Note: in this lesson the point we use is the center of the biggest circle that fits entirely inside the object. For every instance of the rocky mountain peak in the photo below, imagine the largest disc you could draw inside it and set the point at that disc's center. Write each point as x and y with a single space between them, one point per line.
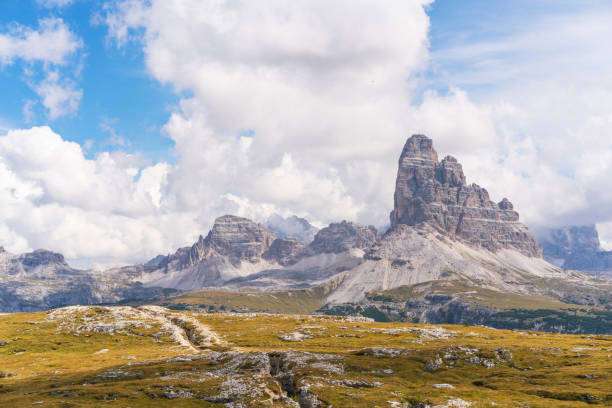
41 257
450 172
240 239
576 247
342 236
435 192
419 147
505 204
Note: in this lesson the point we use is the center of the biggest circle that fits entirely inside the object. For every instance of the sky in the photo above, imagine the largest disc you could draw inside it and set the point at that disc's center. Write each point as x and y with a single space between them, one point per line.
128 126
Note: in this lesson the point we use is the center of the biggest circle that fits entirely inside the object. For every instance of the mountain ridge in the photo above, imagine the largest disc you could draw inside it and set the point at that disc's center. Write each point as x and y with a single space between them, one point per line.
442 230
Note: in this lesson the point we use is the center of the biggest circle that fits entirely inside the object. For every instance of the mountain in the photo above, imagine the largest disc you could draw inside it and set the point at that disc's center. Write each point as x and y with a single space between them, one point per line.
456 256
43 279
576 247
236 253
234 247
442 228
435 192
451 255
239 252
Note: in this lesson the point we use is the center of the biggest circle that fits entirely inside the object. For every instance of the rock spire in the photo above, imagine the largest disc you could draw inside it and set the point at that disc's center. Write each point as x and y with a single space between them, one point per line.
435 192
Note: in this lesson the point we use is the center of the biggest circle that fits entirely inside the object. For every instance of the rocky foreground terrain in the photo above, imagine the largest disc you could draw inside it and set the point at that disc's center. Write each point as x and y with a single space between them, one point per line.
154 357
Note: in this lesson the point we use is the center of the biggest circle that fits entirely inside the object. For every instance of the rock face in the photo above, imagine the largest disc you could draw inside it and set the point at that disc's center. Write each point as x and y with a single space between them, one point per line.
285 251
43 279
407 255
240 252
435 192
576 247
37 262
235 238
342 236
239 239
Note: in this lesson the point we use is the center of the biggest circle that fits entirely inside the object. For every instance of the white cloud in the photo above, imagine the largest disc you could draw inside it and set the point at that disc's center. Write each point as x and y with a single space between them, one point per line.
59 96
54 3
47 51
96 210
114 139
28 110
293 110
550 74
327 102
52 42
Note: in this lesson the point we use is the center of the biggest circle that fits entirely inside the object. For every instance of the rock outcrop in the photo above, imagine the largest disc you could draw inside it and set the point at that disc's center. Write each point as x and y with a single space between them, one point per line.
240 239
285 251
435 192
43 279
408 255
443 229
234 238
39 262
342 236
240 252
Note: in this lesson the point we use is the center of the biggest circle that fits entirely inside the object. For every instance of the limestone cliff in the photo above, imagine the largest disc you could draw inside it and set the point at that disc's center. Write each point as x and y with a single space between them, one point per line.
241 252
435 192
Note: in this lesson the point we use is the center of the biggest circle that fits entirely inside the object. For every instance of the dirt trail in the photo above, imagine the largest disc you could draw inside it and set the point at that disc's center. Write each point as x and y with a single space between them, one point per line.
185 330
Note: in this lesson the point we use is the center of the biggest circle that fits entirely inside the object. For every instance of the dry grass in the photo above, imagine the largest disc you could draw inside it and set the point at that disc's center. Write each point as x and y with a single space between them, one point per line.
48 364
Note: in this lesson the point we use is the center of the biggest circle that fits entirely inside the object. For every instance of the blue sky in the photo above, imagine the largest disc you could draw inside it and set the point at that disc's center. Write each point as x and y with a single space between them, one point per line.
184 110
117 91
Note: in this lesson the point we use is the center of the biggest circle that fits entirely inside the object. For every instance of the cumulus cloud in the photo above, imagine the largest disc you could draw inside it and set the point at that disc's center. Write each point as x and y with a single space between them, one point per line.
326 103
302 108
103 209
545 87
59 96
45 50
51 42
294 111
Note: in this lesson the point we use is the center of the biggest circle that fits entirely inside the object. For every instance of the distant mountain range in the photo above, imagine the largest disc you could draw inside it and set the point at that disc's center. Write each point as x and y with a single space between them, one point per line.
450 255
42 280
576 247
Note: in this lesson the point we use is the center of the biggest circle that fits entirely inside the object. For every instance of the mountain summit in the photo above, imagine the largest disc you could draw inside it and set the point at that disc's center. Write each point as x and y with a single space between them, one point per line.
435 192
451 256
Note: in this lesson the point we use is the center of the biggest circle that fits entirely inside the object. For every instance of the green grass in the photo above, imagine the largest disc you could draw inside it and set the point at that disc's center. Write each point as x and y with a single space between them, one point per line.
50 364
469 293
304 301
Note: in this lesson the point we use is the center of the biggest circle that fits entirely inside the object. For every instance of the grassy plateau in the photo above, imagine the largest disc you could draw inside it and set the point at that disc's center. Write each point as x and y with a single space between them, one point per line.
155 357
